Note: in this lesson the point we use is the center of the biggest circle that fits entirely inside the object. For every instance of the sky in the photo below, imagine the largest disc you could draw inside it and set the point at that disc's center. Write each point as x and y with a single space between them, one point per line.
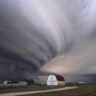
47 36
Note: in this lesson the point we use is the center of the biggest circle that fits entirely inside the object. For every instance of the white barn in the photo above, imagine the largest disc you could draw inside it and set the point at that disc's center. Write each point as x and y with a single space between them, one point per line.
52 80
55 80
44 79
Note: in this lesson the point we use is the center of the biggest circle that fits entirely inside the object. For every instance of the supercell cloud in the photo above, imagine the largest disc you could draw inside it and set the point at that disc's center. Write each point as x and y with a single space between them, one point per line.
32 32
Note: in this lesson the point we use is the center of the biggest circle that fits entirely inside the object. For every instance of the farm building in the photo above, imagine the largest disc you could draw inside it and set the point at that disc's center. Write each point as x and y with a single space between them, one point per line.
55 80
44 79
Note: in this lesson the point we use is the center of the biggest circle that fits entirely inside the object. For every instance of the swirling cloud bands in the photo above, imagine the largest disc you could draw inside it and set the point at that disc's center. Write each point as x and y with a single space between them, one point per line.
33 32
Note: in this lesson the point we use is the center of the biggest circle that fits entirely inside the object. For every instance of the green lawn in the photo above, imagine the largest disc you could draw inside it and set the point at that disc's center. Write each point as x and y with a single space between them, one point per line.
24 88
83 90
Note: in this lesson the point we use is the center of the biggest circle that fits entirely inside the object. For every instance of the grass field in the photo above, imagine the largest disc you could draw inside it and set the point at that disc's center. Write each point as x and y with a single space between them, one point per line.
24 88
83 90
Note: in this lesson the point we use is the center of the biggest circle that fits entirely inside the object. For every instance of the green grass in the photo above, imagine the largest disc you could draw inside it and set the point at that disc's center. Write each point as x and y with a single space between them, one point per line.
83 90
24 88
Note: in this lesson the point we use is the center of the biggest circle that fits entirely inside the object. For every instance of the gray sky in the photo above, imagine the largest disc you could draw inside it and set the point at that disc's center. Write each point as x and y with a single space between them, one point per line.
33 32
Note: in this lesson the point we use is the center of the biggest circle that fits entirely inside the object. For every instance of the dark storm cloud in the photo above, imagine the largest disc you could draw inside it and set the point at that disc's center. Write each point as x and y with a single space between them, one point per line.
23 47
13 65
34 32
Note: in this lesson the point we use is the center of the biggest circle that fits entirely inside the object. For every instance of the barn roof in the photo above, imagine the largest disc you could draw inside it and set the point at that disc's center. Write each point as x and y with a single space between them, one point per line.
60 78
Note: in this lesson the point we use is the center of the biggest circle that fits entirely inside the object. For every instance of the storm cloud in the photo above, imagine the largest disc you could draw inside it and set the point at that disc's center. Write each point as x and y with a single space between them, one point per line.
33 32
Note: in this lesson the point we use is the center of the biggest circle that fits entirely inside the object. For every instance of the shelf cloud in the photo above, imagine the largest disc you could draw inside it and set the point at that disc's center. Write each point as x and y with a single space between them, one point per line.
48 35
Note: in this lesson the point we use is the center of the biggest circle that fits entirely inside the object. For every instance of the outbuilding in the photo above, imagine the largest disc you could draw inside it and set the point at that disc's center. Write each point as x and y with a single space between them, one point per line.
52 80
49 79
55 80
